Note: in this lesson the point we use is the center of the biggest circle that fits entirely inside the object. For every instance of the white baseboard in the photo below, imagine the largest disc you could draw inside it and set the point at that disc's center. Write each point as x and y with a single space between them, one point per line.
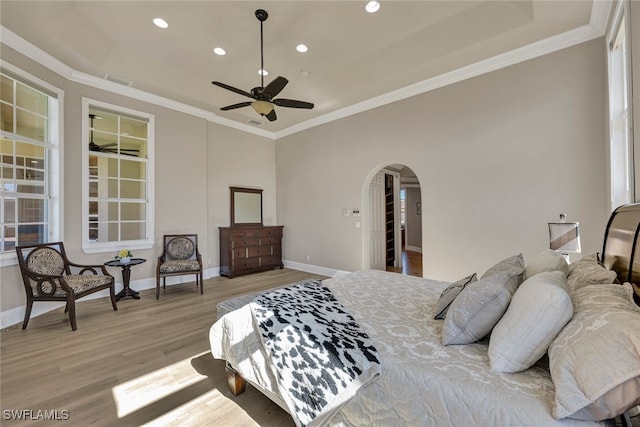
16 315
309 268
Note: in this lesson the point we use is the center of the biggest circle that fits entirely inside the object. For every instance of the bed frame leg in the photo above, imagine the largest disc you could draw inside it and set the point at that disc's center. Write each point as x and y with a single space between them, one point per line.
237 384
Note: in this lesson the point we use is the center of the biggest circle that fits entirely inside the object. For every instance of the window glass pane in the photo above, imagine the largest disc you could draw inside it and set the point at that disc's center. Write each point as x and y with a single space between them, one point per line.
105 140
9 210
31 125
133 211
132 189
133 231
133 147
105 122
133 127
112 168
113 188
30 189
6 117
113 229
93 189
28 234
9 238
31 210
6 89
113 211
32 100
132 169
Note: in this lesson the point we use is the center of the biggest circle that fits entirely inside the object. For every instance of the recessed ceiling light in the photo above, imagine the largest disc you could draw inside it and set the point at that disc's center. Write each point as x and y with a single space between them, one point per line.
302 48
263 72
372 7
161 23
304 73
219 51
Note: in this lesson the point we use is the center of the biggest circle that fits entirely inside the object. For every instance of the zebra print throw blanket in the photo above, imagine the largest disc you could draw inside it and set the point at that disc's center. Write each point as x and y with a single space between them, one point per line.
320 355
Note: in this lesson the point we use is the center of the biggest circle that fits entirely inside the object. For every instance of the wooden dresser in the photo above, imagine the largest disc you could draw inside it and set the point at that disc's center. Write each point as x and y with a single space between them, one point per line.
249 249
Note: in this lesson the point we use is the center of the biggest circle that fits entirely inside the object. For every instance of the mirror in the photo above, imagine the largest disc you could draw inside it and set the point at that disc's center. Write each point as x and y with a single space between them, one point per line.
246 206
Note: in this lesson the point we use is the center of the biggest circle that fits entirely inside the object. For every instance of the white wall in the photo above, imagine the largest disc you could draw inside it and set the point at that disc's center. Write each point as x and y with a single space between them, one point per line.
196 162
497 157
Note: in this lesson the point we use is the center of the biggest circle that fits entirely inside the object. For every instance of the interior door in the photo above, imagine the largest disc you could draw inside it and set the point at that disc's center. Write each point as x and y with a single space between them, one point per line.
377 222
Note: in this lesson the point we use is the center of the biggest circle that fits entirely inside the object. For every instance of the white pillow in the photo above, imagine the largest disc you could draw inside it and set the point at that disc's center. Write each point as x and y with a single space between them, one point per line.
546 260
594 361
538 311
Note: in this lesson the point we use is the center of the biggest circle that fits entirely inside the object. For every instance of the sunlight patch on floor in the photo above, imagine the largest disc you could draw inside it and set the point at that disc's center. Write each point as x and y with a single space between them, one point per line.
140 392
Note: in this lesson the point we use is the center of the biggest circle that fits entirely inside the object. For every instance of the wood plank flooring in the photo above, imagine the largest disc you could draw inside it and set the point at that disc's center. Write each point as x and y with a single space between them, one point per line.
146 364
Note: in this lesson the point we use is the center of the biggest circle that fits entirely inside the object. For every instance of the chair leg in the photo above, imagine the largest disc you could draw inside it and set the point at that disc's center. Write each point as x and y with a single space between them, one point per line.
71 305
164 283
27 313
157 287
112 294
201 284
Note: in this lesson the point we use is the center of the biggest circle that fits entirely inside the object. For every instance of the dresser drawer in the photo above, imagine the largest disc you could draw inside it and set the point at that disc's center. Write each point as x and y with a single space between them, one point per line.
244 232
258 251
244 242
270 232
245 264
271 261
239 253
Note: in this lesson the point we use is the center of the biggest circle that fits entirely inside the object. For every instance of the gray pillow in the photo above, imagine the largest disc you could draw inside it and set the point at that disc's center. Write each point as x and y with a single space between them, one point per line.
477 309
450 293
512 264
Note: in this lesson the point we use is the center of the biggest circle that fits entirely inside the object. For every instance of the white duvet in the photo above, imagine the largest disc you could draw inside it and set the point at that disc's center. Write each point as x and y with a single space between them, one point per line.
423 383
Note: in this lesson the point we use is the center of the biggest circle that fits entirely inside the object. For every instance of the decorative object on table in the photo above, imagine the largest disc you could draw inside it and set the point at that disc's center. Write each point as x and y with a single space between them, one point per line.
48 275
124 256
180 256
564 237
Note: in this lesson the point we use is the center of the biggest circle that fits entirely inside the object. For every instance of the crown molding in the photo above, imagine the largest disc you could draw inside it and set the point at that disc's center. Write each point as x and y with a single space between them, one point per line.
599 19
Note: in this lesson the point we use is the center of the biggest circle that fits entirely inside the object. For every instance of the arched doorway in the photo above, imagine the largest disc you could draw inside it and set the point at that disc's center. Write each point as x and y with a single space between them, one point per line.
392 220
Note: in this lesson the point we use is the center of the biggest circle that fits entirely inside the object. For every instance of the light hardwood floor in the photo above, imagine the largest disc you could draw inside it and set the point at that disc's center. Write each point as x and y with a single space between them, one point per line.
146 364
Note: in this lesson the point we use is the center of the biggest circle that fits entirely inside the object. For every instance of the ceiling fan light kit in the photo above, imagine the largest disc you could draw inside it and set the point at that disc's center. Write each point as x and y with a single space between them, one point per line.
264 101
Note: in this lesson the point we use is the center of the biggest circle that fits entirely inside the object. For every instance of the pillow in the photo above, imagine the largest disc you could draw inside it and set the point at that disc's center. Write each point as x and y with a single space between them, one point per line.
546 260
591 259
588 271
594 360
537 313
512 264
450 293
478 307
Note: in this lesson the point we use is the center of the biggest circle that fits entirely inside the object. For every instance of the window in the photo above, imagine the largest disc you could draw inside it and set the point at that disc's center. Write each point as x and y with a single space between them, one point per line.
117 207
29 162
620 149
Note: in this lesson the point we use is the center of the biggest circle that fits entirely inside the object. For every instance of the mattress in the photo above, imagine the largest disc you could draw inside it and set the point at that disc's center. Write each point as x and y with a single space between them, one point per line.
422 382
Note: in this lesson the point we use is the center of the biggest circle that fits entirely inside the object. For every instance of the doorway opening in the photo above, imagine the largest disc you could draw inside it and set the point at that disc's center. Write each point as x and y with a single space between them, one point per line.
393 237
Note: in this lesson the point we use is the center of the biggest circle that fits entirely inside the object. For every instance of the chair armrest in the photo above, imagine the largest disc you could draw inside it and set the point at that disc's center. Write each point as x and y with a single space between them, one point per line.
92 268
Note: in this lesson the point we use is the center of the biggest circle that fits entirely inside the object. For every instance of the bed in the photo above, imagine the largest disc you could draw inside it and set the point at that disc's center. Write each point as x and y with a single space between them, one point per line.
561 350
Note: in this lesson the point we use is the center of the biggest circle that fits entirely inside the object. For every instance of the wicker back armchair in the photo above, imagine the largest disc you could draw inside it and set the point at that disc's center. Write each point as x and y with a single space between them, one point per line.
48 275
180 256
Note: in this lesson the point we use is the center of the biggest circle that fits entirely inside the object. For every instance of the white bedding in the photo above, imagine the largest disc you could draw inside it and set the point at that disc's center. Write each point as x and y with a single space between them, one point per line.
423 383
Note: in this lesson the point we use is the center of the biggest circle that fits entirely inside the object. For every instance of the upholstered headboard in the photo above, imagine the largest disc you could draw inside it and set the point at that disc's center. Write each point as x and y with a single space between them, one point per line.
620 247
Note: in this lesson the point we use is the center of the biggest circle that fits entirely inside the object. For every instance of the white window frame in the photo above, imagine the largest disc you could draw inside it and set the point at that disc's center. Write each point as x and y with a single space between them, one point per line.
621 155
55 158
99 247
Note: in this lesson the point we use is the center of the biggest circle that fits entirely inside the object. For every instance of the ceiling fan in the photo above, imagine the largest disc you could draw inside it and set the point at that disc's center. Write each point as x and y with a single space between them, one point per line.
109 148
263 96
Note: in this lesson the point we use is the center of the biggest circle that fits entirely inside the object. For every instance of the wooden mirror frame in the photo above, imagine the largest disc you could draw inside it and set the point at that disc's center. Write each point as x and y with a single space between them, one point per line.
236 218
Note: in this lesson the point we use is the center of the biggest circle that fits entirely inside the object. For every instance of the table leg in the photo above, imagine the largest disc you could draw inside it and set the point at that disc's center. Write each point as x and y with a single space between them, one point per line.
126 290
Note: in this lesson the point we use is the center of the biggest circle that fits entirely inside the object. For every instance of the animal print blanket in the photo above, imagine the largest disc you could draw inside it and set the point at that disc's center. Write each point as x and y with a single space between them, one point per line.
319 353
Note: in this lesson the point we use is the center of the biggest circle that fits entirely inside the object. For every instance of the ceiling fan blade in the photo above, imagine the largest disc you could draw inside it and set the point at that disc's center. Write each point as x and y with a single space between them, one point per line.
233 89
133 150
271 116
234 106
275 87
292 103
